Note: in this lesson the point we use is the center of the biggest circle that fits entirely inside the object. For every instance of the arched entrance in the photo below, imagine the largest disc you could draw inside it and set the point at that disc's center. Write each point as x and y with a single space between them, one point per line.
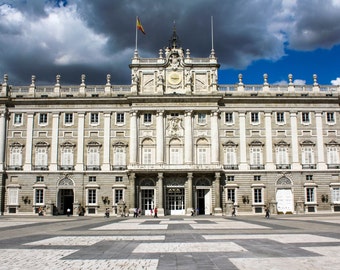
65 195
284 195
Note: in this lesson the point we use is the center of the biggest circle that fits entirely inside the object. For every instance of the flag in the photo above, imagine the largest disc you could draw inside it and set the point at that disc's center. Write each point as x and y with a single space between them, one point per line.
140 26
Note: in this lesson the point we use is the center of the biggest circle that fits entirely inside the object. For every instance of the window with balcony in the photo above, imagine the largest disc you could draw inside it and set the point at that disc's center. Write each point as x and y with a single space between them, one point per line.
119 156
281 150
176 152
256 158
41 156
66 159
93 156
15 159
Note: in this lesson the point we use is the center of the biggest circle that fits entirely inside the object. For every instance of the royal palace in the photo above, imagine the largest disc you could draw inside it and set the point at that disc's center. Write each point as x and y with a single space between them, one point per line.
174 139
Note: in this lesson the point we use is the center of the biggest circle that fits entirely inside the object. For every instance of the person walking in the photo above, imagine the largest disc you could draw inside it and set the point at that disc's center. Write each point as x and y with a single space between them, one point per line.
156 212
267 212
68 211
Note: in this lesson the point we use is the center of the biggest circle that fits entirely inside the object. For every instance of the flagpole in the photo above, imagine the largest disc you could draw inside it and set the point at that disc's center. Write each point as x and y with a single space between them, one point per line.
212 55
136 32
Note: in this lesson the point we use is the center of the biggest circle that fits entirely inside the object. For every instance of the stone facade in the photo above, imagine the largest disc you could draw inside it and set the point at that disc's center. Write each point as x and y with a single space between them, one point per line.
174 139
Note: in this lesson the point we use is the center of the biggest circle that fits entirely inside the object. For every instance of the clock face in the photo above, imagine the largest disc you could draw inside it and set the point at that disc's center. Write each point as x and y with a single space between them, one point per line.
174 78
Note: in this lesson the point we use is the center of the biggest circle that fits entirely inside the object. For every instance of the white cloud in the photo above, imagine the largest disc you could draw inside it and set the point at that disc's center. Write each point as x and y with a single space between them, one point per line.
336 81
299 82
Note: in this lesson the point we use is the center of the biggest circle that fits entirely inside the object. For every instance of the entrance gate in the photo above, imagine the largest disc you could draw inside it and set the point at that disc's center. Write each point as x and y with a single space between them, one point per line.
175 201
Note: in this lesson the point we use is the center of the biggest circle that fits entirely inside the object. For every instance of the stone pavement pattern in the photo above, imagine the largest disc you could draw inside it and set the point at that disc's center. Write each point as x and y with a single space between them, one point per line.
245 242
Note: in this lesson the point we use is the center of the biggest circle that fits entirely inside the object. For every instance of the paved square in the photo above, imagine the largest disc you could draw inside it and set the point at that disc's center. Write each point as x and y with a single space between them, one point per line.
243 242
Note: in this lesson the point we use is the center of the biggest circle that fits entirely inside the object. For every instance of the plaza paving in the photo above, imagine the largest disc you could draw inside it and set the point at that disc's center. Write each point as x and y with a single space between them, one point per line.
202 242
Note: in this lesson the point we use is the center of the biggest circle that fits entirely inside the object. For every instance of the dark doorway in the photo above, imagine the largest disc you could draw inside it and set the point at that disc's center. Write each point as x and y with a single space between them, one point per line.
66 199
201 201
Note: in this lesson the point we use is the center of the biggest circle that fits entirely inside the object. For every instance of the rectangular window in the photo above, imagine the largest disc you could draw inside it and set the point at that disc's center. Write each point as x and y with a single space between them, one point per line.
118 195
229 117
230 158
332 155
310 196
307 155
336 195
119 178
256 156
280 117
257 195
147 156
17 119
175 156
92 196
94 118
43 118
330 117
231 194
202 156
255 117
39 196
120 118
201 118
68 118
257 177
305 117
40 179
309 177
147 118
92 179
230 178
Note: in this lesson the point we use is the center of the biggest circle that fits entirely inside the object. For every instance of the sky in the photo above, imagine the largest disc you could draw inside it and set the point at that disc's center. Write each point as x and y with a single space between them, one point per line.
98 37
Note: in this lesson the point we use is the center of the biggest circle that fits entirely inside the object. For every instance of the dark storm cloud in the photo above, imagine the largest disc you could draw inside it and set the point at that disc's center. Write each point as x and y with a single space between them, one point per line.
46 38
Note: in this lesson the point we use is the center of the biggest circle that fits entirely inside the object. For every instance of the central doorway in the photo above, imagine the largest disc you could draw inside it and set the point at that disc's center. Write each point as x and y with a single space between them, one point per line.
66 200
147 201
175 201
203 202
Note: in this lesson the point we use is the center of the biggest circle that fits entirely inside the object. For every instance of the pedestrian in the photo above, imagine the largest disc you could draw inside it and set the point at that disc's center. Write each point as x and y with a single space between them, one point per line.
139 212
68 212
107 212
267 212
156 212
234 212
135 213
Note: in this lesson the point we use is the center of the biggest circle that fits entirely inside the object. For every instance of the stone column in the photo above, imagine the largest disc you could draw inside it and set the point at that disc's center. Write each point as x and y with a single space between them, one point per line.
54 143
131 204
107 139
243 143
159 202
214 138
319 141
2 138
29 137
190 194
269 142
295 146
160 137
188 137
80 144
217 209
133 137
